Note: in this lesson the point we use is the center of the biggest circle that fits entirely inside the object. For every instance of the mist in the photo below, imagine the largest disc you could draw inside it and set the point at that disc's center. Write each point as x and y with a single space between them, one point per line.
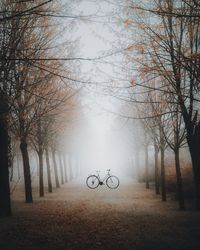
99 124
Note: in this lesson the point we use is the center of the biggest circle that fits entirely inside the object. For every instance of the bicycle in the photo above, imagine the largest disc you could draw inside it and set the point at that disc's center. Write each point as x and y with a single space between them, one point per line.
93 181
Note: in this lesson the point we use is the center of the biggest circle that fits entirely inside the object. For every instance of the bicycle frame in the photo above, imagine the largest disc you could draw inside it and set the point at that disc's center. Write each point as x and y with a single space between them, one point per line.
105 177
93 181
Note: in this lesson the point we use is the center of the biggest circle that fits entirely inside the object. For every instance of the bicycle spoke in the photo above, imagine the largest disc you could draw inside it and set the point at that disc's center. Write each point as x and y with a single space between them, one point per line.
92 181
112 182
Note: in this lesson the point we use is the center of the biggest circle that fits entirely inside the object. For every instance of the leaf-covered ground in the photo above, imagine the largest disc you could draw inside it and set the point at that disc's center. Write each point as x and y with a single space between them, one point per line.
75 217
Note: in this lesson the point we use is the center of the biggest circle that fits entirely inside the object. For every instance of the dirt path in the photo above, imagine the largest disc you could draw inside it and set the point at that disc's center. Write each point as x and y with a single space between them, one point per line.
75 217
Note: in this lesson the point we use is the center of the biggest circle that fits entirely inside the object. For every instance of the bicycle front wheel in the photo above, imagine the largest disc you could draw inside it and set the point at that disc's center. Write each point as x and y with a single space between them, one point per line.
112 182
92 181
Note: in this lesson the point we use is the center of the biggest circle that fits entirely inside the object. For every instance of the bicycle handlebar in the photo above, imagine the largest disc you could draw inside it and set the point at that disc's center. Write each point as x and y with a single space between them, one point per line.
100 171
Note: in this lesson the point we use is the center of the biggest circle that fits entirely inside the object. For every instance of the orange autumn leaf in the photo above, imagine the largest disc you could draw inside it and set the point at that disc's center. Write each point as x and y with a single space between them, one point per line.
126 22
133 81
130 47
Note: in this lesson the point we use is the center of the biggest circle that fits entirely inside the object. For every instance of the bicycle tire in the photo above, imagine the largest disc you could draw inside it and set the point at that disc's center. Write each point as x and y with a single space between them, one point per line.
112 182
92 181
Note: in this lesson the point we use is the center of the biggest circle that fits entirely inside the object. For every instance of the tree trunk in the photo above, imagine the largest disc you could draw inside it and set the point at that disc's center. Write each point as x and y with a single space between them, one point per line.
163 187
146 166
27 172
179 180
61 169
5 206
65 167
157 189
137 163
41 177
38 167
193 140
55 169
11 171
71 168
76 168
131 167
194 147
48 171
18 168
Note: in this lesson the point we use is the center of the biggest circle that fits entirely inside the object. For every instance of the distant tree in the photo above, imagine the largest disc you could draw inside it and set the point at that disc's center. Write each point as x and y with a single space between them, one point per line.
167 46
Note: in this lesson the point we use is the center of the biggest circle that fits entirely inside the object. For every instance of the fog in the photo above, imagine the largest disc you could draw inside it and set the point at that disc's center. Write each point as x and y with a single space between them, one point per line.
102 139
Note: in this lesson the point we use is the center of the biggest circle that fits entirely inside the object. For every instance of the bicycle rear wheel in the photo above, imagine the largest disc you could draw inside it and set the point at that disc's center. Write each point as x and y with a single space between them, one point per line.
92 181
112 182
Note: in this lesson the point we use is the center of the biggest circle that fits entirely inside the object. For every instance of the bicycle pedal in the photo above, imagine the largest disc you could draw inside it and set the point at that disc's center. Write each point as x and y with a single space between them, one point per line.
100 183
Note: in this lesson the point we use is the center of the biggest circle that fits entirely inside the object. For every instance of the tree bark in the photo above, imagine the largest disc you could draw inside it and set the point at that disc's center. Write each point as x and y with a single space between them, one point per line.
146 167
179 180
194 147
193 140
41 177
61 169
18 167
5 204
11 172
55 169
163 186
196 163
162 161
27 173
38 165
48 171
157 184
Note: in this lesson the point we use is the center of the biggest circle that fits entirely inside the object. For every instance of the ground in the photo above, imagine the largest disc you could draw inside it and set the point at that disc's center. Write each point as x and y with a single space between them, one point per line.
75 217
